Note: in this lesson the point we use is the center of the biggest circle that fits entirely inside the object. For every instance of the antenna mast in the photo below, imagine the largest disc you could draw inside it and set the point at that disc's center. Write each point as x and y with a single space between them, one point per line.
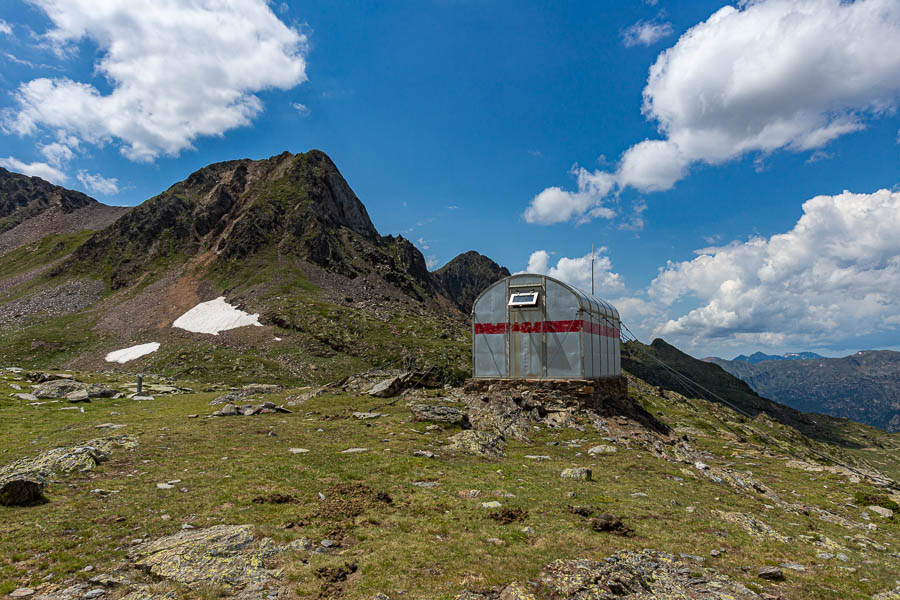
592 268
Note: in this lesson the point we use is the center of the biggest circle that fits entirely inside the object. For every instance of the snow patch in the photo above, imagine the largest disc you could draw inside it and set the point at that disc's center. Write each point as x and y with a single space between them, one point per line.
215 316
126 354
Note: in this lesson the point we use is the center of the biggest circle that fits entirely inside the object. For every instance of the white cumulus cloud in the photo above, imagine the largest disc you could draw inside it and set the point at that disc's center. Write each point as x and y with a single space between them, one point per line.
834 276
770 75
5 28
555 205
57 153
34 169
98 184
646 33
177 70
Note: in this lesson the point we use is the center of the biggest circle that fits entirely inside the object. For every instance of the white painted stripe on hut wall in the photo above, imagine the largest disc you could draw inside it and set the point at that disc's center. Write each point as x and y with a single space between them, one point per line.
215 316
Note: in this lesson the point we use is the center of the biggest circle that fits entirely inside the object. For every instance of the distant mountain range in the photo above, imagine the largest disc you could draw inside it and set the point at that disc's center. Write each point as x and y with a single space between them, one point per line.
864 386
758 357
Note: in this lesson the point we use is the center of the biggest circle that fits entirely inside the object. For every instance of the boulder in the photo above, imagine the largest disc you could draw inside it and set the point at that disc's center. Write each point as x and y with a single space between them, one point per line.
261 388
386 388
426 379
602 449
881 511
78 396
478 443
98 390
770 573
438 414
226 556
234 397
21 479
21 489
58 389
582 473
67 388
516 591
637 574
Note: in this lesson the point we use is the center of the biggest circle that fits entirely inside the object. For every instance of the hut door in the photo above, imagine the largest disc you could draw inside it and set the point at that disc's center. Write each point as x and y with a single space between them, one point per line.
526 336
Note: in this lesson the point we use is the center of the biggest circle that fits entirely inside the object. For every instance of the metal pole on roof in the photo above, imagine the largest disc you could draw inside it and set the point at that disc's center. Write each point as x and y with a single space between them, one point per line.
592 269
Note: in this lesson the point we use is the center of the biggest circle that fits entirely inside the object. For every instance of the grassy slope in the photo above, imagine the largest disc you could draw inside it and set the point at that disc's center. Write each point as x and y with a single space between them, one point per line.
430 542
323 340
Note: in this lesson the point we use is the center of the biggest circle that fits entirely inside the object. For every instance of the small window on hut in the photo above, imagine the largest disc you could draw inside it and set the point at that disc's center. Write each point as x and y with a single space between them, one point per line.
523 299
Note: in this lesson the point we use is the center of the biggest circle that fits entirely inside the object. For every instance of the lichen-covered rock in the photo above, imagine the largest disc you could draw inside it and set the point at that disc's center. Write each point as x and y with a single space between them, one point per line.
438 414
74 592
893 594
62 388
58 388
640 575
224 555
479 443
516 591
582 473
147 593
70 459
752 525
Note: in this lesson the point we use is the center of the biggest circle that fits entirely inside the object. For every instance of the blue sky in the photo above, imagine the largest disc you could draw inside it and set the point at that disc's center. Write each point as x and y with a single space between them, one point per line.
700 131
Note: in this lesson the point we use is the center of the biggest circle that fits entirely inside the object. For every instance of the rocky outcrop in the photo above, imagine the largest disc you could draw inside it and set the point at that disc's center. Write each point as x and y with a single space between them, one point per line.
23 481
462 279
295 206
626 574
438 414
478 443
225 555
63 388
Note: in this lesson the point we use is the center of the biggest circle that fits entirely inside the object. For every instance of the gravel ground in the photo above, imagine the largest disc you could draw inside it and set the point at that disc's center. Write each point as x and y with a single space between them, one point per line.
65 299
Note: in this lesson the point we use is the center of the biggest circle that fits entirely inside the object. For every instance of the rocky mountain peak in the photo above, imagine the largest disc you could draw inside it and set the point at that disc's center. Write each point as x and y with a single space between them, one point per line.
297 204
466 276
22 197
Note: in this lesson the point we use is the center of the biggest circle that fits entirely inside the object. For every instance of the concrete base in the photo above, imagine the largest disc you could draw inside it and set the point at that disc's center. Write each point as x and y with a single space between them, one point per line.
595 394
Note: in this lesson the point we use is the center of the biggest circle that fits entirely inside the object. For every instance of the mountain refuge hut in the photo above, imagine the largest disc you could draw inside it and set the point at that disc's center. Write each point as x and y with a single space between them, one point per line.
536 329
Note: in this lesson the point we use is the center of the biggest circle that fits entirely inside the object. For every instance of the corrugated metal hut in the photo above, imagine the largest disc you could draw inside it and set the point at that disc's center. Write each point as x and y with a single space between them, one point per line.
534 326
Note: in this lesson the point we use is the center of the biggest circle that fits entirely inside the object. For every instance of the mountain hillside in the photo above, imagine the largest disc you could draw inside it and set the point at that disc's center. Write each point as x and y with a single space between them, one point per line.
466 276
31 208
285 238
864 386
297 207
718 385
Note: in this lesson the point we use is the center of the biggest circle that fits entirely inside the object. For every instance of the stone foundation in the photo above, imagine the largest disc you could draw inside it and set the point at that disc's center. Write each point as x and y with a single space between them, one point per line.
558 393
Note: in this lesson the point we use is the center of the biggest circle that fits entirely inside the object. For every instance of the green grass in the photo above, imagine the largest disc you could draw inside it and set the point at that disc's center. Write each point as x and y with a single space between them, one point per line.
62 338
428 542
50 248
